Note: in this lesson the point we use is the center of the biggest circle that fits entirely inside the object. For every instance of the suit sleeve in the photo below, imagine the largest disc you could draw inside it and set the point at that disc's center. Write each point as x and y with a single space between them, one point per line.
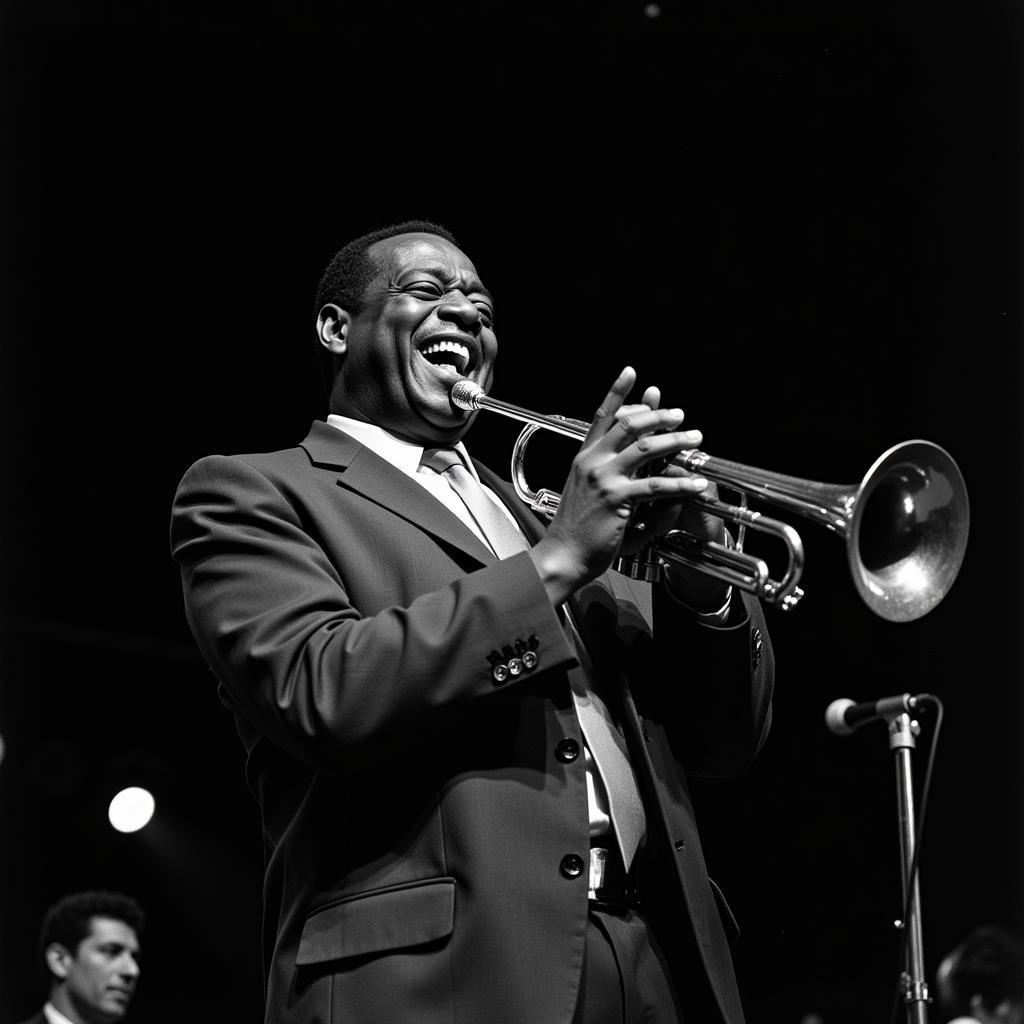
273 618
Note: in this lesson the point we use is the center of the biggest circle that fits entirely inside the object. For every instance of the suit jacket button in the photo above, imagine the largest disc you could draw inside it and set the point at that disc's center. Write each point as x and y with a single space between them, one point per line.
500 673
567 750
515 667
572 865
529 660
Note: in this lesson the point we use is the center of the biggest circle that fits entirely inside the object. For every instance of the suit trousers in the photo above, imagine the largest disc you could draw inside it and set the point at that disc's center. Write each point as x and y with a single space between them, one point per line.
625 977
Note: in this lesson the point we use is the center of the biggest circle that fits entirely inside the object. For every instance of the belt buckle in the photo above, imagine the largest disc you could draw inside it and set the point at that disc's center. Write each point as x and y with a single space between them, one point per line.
598 870
606 891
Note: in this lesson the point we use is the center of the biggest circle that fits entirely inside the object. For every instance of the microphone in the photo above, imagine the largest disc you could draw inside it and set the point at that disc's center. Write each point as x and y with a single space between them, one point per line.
842 716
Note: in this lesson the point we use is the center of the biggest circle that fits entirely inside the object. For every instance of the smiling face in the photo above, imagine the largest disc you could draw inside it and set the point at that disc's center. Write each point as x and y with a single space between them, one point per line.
97 980
427 322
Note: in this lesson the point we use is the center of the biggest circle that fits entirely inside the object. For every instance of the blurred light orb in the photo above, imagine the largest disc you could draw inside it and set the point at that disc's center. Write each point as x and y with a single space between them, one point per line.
652 11
131 809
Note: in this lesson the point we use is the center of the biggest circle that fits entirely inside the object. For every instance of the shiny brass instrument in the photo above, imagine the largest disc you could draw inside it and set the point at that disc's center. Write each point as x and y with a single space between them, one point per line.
905 524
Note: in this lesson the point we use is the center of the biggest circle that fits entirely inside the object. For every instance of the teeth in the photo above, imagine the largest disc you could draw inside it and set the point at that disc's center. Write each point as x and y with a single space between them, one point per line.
446 346
461 352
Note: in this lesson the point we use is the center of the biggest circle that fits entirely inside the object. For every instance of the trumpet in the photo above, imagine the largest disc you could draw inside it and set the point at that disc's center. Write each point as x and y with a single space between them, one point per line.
905 524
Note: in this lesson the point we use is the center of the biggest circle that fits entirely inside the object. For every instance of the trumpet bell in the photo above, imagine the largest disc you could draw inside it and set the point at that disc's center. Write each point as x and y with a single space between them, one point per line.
908 532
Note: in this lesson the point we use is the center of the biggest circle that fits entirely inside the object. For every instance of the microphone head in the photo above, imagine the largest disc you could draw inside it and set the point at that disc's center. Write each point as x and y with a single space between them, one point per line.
835 716
465 394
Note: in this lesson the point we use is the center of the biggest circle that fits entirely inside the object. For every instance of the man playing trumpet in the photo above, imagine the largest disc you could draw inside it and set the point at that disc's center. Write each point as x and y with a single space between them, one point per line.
467 737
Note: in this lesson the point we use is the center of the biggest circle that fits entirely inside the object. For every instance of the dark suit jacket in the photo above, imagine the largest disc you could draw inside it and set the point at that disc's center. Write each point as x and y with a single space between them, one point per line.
416 816
39 1018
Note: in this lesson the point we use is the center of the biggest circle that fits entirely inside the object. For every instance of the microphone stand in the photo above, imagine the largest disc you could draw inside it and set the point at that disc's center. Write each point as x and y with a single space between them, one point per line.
902 733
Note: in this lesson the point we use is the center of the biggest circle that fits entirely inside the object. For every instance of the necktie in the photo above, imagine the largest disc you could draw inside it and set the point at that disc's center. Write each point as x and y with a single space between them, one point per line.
606 744
504 539
608 748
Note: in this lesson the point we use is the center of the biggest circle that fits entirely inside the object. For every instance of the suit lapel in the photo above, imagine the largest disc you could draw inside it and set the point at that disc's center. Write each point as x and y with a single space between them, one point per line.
366 473
594 605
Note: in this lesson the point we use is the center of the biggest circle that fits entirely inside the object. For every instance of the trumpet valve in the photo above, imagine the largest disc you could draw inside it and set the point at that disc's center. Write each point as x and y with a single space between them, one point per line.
644 565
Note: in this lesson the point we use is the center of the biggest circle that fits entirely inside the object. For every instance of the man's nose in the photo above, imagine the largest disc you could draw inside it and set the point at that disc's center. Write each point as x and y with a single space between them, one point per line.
129 967
456 308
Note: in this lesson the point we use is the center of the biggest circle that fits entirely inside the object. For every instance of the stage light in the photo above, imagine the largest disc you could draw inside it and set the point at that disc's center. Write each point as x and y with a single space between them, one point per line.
131 809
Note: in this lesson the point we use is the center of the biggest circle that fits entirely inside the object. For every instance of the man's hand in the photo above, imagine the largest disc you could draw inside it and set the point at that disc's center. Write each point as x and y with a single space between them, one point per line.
697 590
603 489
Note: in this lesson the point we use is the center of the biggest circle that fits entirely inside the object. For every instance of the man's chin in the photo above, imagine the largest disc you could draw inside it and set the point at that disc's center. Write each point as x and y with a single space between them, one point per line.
438 429
116 1006
436 419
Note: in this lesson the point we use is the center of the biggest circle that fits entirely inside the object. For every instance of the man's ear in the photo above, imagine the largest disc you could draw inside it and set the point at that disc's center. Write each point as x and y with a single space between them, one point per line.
332 326
57 959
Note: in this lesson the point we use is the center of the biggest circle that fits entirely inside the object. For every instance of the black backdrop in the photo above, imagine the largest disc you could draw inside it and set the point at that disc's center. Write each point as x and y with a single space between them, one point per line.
801 219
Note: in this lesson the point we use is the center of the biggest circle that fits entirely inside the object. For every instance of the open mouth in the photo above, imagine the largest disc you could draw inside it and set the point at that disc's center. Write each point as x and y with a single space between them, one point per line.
449 354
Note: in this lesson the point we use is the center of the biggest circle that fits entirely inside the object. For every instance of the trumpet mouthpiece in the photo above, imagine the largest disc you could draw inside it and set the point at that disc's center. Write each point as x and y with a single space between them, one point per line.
466 395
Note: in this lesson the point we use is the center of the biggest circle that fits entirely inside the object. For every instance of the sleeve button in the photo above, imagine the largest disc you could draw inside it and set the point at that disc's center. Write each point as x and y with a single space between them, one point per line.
572 865
500 673
567 750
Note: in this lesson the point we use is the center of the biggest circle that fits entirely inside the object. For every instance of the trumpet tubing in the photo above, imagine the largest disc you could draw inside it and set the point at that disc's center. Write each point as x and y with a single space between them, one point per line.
905 524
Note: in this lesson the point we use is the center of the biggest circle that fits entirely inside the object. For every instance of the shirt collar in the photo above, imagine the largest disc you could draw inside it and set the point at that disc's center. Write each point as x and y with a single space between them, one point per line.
54 1016
401 454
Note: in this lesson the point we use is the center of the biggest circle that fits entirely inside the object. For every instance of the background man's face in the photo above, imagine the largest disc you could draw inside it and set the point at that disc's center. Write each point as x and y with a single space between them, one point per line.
103 972
427 322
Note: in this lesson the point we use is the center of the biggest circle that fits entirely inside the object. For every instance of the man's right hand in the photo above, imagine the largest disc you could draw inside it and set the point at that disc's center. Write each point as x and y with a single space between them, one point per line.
602 490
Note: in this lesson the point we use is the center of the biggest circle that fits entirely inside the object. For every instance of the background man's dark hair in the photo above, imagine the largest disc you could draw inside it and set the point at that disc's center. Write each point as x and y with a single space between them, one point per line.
350 272
68 920
988 963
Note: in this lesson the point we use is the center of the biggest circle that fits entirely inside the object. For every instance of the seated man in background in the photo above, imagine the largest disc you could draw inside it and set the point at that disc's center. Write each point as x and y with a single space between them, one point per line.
89 947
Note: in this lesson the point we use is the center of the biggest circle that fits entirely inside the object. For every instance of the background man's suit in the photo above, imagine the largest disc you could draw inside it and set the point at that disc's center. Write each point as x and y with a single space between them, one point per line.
422 819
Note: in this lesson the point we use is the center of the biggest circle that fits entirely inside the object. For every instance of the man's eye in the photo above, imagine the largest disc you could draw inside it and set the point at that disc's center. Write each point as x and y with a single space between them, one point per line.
428 288
486 313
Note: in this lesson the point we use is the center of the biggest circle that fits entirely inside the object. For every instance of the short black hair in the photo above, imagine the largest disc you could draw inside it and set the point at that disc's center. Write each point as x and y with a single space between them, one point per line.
68 921
989 963
350 271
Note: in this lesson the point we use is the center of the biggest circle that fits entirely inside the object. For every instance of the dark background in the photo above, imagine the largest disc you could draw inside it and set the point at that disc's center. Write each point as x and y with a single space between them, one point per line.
800 219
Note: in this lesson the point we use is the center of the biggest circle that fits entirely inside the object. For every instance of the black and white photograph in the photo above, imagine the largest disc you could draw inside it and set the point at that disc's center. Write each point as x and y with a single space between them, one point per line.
509 512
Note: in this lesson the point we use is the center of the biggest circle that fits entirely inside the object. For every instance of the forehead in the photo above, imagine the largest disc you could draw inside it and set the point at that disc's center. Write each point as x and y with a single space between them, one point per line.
103 930
420 251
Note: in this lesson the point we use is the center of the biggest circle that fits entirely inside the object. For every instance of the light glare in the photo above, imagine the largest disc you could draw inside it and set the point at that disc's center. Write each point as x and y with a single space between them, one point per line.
131 809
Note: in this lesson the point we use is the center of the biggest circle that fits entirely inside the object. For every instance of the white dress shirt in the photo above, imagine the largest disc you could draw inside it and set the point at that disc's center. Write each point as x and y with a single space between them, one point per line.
54 1016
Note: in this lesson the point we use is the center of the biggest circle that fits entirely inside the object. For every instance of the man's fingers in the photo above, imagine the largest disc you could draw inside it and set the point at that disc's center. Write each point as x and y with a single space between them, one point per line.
613 401
631 410
635 421
656 452
652 397
640 443
656 488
